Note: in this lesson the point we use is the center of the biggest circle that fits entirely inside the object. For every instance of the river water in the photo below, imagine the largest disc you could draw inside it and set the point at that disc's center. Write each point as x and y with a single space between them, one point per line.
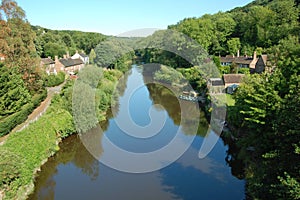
74 173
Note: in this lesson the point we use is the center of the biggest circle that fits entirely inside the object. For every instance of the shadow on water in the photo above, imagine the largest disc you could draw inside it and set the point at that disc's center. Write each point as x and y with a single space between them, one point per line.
72 152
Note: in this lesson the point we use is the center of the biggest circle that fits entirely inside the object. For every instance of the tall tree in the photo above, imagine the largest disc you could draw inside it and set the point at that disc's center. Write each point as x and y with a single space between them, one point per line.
268 107
13 93
92 56
234 45
17 43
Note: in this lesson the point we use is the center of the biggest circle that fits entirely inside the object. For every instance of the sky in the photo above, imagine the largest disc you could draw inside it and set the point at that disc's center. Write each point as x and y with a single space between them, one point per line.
114 17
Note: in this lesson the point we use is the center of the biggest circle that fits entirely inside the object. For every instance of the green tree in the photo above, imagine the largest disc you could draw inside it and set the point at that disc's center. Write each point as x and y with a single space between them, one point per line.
286 19
267 109
54 49
233 45
13 93
109 51
17 43
66 38
92 56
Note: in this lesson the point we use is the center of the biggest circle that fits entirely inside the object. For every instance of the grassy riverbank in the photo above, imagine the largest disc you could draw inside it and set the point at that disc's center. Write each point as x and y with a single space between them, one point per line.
24 152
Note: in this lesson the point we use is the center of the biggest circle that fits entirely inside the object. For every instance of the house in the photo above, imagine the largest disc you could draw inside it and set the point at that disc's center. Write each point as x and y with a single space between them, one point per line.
215 85
68 65
215 82
49 65
232 81
255 64
85 59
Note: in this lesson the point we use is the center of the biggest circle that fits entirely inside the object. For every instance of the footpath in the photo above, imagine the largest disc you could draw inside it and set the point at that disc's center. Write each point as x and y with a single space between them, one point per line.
37 113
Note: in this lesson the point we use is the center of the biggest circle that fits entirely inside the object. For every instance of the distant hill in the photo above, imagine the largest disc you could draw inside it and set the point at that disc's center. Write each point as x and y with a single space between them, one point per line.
57 42
258 25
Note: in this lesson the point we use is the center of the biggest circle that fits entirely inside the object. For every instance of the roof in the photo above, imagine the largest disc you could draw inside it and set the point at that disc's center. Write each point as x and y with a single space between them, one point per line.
265 58
227 59
47 61
69 62
216 81
243 60
83 55
233 78
238 60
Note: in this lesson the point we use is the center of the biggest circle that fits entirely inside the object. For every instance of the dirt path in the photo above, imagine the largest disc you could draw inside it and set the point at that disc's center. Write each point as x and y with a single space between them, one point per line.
37 113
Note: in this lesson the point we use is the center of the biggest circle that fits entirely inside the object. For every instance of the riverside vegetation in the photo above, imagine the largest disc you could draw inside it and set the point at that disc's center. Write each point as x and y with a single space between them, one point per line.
24 152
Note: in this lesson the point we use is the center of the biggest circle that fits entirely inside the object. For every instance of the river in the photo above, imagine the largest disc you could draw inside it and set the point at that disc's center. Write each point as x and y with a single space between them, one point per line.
73 173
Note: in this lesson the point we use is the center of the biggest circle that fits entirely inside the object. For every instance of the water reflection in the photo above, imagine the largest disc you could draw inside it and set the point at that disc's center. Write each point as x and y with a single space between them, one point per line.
73 173
72 152
161 95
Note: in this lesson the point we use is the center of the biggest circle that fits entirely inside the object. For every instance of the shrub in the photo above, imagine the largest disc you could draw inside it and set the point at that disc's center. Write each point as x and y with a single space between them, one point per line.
38 98
9 167
8 123
54 80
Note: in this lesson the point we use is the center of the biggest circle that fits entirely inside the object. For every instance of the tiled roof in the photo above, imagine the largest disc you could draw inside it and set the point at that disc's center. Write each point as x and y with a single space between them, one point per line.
237 60
226 59
233 78
69 62
216 81
47 61
243 60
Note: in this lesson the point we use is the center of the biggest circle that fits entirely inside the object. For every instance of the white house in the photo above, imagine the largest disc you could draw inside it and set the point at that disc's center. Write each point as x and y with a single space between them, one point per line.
85 59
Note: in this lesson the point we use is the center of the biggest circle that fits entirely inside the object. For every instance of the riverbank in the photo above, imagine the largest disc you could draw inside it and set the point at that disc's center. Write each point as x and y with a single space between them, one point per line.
24 152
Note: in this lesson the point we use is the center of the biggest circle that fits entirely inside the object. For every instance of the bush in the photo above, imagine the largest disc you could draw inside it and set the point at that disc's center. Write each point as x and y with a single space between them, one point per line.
38 98
54 80
244 71
9 167
10 122
24 151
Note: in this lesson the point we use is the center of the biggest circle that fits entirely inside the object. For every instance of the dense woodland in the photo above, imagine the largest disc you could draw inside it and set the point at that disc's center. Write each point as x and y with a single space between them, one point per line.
56 43
265 116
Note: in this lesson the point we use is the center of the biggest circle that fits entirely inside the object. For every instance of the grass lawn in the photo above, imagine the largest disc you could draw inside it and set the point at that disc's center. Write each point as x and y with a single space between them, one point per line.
221 99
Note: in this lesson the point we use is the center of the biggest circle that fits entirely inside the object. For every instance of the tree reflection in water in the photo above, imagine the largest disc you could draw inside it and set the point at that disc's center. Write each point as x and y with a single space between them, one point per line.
163 96
72 151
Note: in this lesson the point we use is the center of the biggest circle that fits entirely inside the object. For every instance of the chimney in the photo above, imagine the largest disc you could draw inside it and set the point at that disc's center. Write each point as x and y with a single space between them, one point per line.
238 53
65 56
68 54
255 55
56 59
76 51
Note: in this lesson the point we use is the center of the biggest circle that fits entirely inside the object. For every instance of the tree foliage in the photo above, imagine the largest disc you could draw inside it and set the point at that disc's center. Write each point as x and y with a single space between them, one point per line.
57 43
113 52
17 44
267 109
259 24
13 93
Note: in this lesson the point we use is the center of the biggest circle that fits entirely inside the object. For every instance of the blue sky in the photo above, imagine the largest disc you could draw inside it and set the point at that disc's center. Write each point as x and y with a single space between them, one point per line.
113 17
